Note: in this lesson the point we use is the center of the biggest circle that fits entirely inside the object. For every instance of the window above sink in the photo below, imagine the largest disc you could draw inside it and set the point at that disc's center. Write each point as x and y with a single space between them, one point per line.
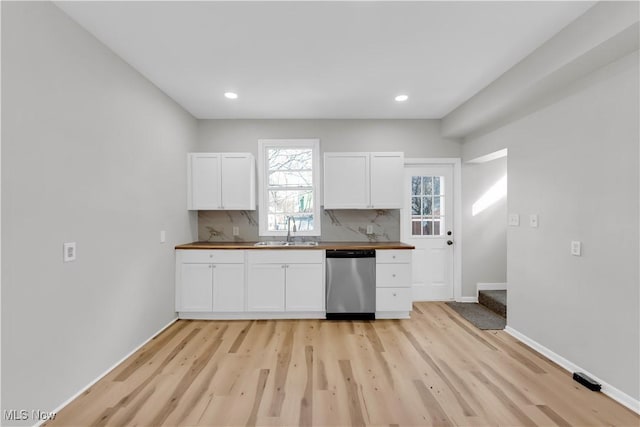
289 175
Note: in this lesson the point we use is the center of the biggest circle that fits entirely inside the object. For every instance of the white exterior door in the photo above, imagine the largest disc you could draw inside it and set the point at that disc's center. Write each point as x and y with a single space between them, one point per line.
427 223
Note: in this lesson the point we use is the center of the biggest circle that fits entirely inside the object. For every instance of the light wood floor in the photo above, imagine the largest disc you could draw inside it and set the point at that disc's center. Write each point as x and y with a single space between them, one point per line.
435 369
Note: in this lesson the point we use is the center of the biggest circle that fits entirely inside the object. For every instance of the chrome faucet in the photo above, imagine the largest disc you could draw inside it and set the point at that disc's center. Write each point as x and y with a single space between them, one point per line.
289 218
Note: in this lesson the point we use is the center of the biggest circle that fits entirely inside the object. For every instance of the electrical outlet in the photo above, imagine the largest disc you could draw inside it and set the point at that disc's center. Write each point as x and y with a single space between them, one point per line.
576 248
369 229
236 231
514 220
69 251
533 220
163 236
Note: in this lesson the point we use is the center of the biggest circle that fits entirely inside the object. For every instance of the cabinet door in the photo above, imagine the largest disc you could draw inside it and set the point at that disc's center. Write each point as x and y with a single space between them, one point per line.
304 287
387 190
238 181
228 287
204 181
195 291
265 290
346 181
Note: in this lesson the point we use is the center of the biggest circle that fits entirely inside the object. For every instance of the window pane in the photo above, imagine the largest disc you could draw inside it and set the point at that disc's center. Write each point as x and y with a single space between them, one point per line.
415 228
436 205
438 185
289 158
278 222
291 179
436 228
426 206
416 187
415 206
427 227
291 201
426 185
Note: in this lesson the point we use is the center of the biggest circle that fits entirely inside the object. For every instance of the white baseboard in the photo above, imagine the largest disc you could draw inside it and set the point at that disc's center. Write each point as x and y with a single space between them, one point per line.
69 400
467 299
614 393
252 315
490 287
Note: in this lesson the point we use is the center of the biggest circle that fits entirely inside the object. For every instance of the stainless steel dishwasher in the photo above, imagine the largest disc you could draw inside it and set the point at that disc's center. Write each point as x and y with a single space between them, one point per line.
351 284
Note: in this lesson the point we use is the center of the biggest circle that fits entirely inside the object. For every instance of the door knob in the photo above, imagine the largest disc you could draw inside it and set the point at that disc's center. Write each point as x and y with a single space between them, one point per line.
449 233
449 242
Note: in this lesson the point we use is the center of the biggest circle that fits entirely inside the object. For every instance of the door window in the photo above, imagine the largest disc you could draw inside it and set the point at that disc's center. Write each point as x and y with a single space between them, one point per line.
427 206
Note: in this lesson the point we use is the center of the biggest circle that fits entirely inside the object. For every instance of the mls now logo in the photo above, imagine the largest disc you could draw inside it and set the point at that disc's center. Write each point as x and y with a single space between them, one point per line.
16 415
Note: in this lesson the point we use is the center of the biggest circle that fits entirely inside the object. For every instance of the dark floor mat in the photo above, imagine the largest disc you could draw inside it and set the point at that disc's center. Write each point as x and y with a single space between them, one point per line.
481 317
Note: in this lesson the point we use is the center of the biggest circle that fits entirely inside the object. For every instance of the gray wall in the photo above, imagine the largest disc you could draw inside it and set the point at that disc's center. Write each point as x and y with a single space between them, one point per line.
575 163
417 138
92 153
484 236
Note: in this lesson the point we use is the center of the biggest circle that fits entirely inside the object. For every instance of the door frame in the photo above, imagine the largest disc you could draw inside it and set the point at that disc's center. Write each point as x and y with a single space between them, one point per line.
456 162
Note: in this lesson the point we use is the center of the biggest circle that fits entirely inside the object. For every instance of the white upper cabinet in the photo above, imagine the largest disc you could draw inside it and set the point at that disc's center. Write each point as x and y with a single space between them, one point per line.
238 181
386 180
221 181
363 180
204 181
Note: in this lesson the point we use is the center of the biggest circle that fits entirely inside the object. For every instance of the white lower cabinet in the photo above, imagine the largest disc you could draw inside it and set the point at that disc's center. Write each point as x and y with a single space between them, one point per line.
286 281
265 288
393 284
305 287
209 281
228 287
196 291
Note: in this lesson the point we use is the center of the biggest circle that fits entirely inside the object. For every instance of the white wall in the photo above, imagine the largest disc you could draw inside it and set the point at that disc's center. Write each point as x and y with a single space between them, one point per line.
417 138
484 235
92 153
575 163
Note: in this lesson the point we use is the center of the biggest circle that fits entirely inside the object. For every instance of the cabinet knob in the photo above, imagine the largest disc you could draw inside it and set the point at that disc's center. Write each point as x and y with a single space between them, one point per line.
395 295
210 255
393 275
394 257
210 266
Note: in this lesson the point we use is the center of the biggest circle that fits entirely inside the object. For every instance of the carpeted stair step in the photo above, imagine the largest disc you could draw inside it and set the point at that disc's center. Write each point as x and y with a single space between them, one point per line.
495 301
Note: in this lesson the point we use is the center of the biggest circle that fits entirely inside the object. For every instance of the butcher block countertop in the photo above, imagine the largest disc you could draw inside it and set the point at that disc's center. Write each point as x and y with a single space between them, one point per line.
321 246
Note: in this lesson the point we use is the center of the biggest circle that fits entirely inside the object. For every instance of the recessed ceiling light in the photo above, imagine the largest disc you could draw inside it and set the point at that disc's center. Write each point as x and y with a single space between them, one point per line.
230 95
402 98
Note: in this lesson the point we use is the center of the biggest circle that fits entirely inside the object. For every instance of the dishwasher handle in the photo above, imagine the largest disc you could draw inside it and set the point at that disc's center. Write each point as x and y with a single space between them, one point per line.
345 253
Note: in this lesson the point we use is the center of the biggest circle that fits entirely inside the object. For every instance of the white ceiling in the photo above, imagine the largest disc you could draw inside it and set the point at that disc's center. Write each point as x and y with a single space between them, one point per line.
322 59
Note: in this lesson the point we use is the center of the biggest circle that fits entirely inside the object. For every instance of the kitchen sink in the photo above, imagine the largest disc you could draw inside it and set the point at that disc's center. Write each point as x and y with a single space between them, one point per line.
281 243
272 243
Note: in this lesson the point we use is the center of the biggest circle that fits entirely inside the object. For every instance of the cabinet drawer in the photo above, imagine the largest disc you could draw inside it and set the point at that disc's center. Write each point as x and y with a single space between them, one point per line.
393 275
285 256
393 299
393 256
212 256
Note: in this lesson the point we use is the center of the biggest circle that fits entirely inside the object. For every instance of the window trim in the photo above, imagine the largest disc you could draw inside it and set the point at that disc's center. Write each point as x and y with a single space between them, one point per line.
263 202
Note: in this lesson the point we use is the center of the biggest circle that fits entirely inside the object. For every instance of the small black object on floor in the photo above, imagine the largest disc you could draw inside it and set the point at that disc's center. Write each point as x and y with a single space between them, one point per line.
587 381
480 316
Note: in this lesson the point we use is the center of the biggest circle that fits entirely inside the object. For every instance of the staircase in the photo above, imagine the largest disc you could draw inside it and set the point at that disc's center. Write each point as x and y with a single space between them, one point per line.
495 301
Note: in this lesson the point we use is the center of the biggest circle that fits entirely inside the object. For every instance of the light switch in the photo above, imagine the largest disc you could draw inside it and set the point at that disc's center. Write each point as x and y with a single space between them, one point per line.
369 229
69 251
533 220
236 231
163 236
576 248
514 220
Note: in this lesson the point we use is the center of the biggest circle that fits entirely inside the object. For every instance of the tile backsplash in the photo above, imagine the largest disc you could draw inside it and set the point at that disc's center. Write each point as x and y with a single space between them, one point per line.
337 226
